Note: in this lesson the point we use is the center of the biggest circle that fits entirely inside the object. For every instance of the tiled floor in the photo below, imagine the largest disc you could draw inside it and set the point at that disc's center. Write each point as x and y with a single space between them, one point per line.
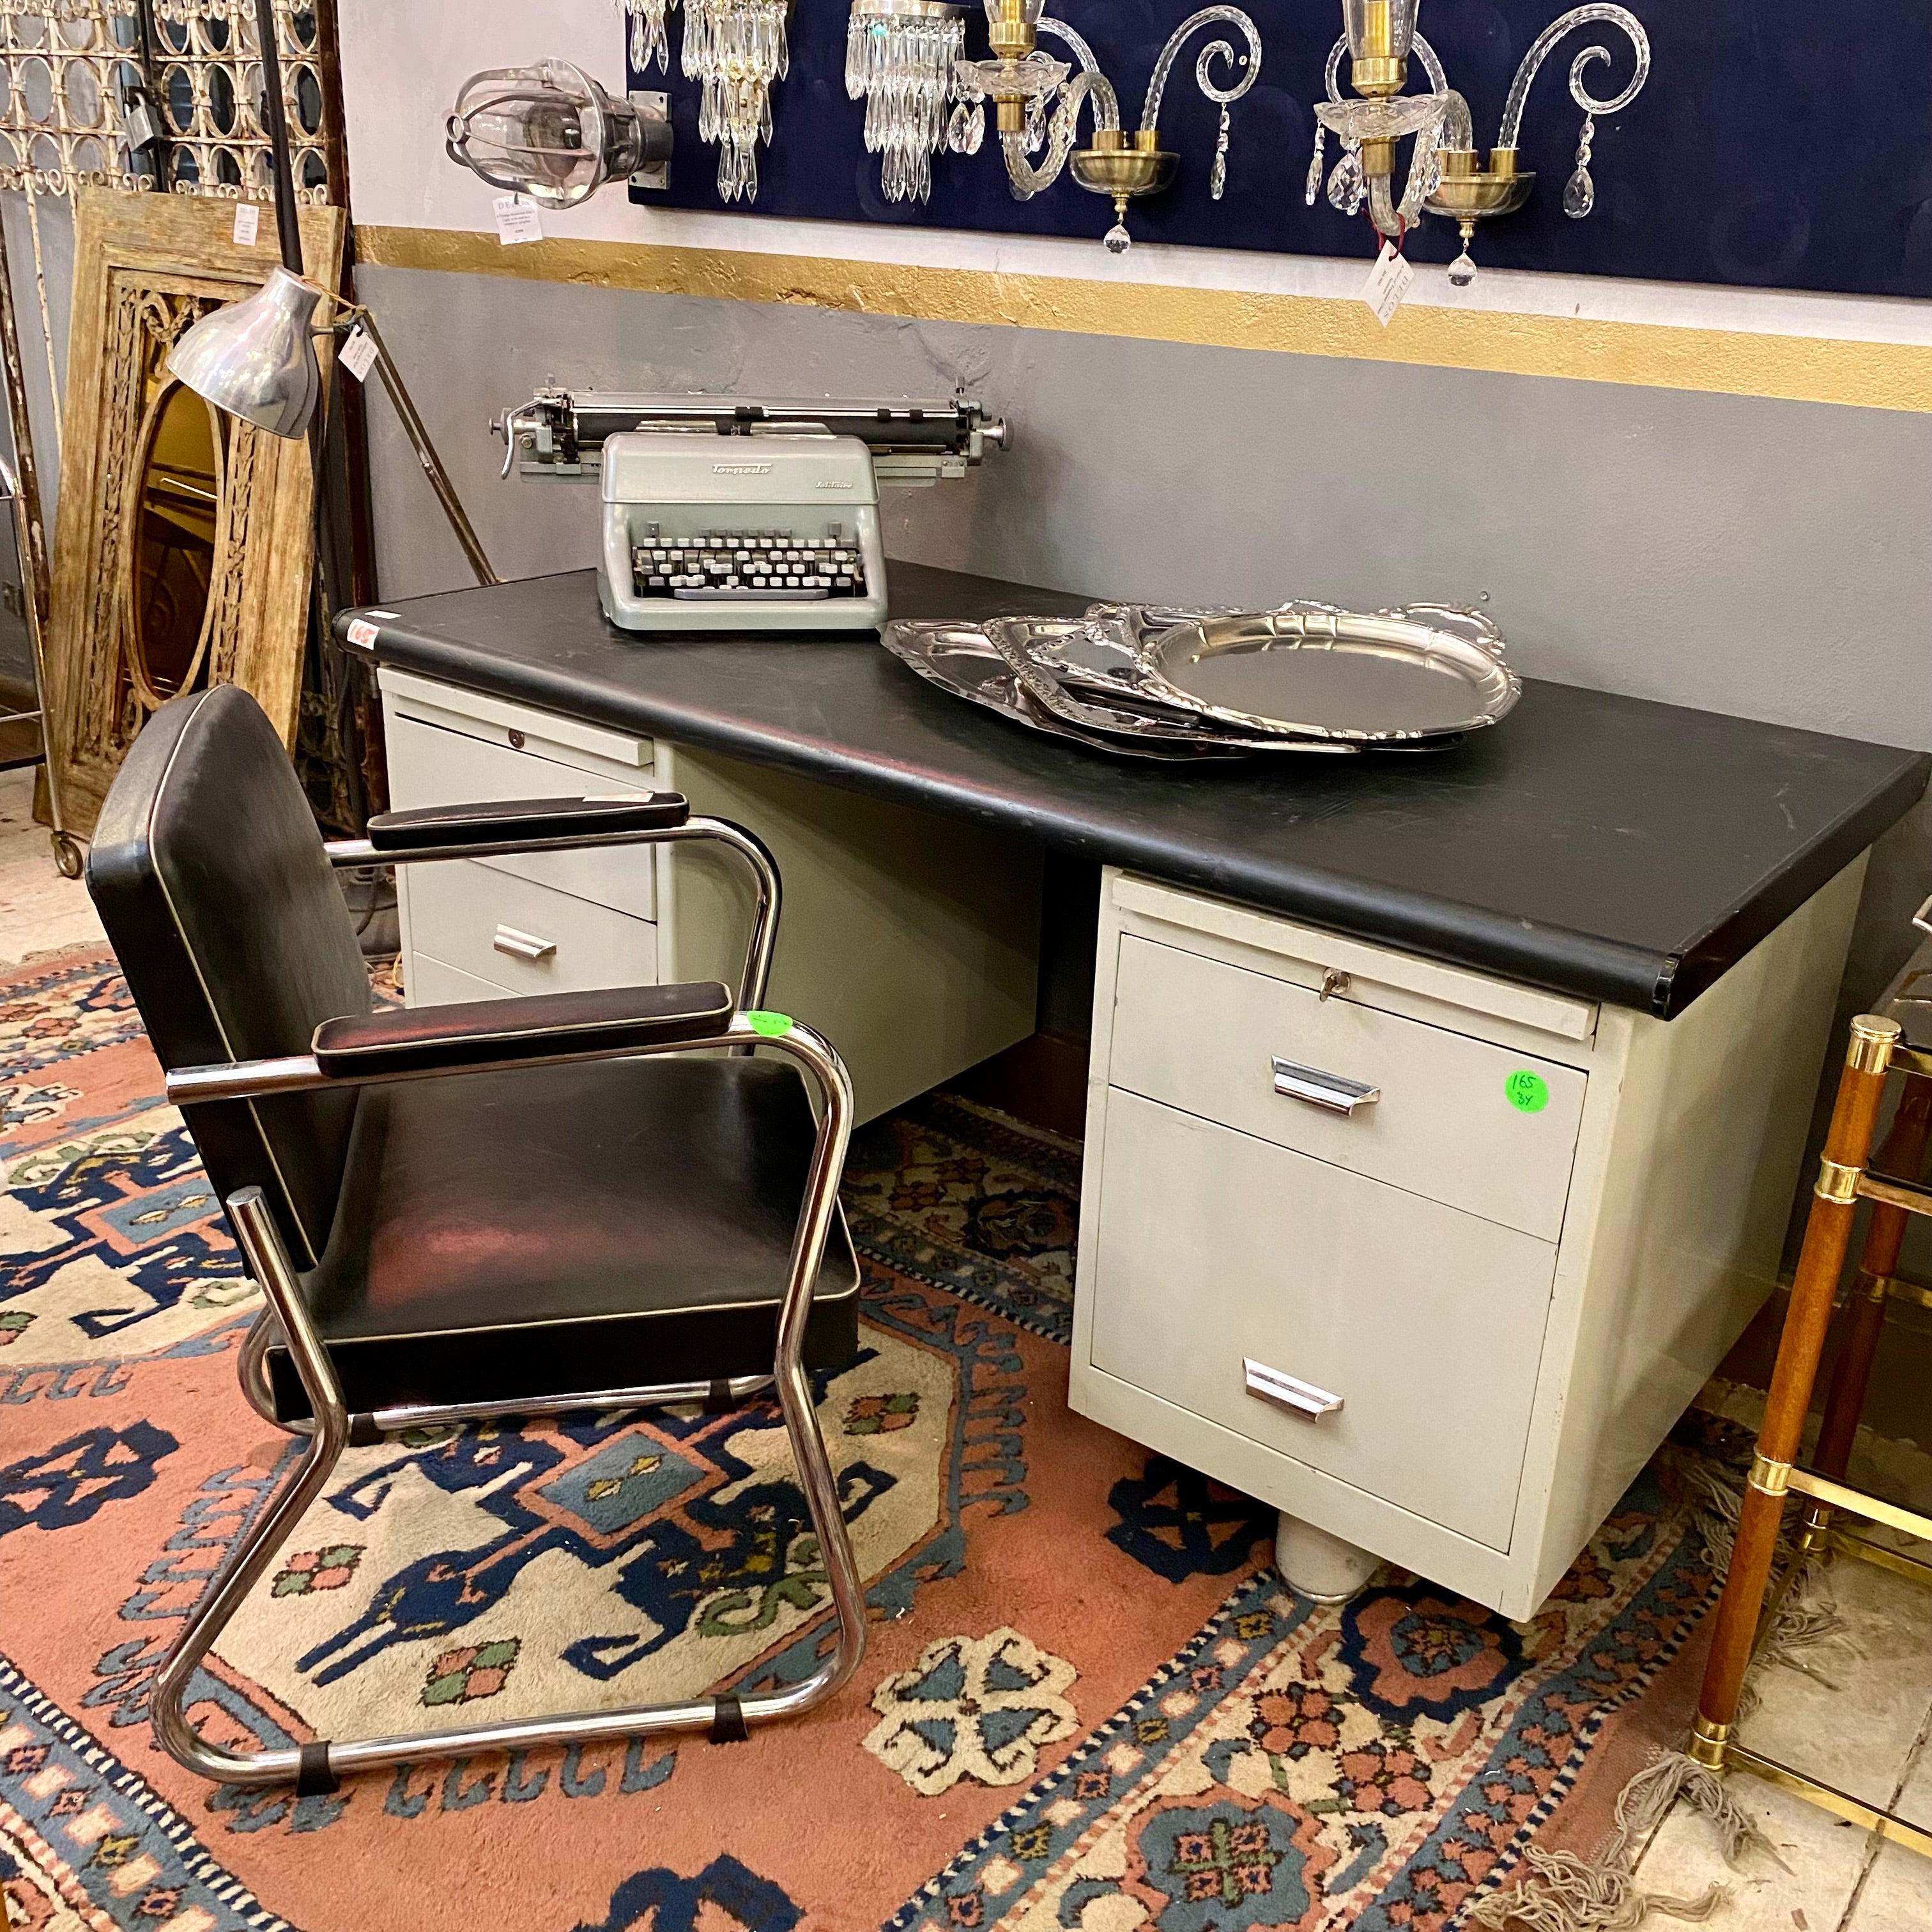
1872 1736
40 911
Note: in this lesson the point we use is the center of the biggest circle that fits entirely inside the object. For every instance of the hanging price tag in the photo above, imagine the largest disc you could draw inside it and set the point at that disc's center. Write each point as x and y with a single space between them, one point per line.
247 221
1387 284
517 219
358 354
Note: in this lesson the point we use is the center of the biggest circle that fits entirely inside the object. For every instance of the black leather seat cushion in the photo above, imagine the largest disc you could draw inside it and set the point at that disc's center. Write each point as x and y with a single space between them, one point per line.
505 1236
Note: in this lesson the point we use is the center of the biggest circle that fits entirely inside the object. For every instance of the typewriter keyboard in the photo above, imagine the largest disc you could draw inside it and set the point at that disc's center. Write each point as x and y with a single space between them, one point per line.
746 566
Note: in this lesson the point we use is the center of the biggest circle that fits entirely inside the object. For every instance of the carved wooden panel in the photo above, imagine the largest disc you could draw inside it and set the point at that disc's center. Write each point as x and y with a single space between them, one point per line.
145 267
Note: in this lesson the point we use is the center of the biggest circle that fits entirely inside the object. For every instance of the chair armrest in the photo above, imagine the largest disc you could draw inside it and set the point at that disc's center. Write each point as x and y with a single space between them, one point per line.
489 823
454 1038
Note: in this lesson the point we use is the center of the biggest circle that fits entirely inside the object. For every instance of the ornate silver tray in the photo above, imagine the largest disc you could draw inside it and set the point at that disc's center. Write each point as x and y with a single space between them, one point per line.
1420 672
1150 680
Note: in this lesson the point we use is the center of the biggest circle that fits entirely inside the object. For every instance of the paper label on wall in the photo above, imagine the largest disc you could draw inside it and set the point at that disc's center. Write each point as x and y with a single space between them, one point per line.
358 354
247 221
517 219
1387 284
363 633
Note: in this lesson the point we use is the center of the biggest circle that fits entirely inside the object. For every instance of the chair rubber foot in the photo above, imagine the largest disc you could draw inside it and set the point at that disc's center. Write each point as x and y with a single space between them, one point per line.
314 1778
718 1399
728 1721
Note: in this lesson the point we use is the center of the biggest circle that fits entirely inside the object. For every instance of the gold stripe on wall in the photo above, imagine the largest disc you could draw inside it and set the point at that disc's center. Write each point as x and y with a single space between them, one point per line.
1870 375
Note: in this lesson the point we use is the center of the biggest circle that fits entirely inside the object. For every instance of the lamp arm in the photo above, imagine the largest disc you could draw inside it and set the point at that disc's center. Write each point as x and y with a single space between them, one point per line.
413 428
288 225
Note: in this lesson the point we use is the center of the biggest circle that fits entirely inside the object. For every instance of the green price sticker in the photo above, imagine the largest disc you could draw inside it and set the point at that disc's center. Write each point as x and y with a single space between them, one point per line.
1528 1093
775 1026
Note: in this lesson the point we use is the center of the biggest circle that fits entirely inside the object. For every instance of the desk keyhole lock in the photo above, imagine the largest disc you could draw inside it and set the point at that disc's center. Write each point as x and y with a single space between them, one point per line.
1334 981
517 741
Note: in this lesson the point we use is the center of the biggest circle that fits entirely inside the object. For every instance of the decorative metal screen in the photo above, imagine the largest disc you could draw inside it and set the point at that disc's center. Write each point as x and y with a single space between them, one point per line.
75 67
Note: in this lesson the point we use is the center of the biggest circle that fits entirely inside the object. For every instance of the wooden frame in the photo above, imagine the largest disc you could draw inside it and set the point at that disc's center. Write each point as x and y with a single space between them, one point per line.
146 266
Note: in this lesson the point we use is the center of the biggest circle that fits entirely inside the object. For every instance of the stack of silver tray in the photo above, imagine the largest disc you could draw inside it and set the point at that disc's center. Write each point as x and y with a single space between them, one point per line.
1144 681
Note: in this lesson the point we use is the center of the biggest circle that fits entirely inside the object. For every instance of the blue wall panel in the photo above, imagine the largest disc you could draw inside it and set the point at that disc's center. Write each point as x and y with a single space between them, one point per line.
1778 143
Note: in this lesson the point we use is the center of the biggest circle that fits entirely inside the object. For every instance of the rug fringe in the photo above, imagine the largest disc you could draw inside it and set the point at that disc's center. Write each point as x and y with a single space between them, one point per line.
1562 1891
1566 1893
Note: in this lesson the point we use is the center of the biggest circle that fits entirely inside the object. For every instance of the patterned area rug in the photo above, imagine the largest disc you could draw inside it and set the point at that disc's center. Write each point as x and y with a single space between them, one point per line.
1088 1703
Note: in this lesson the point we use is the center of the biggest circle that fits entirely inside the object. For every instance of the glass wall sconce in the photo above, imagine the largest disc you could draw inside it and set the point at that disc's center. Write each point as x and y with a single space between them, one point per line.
735 49
899 58
550 132
1036 105
1444 177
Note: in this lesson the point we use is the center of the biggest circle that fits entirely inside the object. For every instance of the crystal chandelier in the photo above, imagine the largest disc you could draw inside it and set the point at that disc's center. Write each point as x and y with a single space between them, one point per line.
1037 106
1443 177
899 57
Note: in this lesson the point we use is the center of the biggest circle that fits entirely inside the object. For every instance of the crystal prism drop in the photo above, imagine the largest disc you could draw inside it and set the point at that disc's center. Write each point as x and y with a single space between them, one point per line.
1116 240
1579 195
1315 166
1462 270
1346 185
1217 175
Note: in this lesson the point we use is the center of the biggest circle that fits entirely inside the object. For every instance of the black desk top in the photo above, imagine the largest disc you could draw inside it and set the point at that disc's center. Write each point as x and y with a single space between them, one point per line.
1606 846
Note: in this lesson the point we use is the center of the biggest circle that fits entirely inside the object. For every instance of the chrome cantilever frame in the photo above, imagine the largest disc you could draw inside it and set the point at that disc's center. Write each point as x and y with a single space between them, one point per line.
317 1766
251 1366
748 845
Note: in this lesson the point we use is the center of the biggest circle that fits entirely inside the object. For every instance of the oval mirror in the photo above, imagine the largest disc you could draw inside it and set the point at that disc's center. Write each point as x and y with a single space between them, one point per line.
173 525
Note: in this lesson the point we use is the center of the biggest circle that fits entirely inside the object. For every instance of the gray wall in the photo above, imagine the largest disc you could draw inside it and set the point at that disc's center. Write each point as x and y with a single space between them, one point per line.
1768 559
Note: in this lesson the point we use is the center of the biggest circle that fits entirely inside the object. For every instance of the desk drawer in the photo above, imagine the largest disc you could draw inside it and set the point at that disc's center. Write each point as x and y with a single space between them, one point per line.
1216 1248
431 766
1204 1036
431 983
526 937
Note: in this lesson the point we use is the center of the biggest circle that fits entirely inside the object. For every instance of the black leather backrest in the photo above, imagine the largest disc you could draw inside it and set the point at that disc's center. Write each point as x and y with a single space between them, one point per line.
209 875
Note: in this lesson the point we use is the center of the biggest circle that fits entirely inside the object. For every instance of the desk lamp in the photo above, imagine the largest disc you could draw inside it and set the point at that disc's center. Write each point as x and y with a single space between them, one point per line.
256 359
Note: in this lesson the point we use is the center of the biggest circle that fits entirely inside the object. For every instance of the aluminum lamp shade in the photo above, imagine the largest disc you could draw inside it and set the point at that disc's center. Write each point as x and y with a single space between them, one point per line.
256 358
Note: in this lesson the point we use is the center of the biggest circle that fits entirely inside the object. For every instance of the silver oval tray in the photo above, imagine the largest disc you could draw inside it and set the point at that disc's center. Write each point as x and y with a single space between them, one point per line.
1419 672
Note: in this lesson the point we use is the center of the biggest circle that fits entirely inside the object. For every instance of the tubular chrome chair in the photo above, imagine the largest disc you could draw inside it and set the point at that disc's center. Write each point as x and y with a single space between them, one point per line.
517 1207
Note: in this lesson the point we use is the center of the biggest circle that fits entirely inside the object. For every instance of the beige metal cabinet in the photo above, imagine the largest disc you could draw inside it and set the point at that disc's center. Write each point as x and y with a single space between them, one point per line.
910 940
1439 1288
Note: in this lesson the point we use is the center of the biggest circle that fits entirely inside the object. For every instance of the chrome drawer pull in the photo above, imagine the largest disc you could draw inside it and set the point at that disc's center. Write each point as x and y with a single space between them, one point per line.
1340 1095
1272 1385
522 945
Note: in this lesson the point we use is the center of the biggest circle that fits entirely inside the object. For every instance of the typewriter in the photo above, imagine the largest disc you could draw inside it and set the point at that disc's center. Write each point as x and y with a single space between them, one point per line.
735 514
